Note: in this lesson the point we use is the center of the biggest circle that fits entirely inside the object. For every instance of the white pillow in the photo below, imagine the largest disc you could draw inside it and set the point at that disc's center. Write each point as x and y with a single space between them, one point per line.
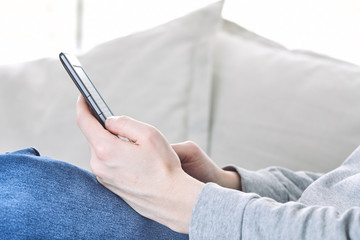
273 106
161 76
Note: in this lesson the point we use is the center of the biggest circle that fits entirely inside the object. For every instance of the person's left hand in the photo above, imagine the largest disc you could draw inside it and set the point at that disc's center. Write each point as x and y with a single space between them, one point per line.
146 173
196 163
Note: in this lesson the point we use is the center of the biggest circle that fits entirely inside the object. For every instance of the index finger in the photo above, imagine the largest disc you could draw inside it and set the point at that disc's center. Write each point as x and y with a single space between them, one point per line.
88 124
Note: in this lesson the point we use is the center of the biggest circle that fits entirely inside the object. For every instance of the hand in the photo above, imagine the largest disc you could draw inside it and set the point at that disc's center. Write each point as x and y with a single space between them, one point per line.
147 173
197 164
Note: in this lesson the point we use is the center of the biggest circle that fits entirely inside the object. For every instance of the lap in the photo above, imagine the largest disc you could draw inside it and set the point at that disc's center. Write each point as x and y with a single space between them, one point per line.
45 198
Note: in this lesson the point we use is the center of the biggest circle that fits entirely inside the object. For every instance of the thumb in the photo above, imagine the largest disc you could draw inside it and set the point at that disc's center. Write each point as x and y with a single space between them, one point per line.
126 127
185 150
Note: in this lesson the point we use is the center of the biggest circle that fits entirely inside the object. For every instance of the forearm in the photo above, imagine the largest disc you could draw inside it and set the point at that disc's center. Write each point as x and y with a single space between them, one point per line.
227 214
277 183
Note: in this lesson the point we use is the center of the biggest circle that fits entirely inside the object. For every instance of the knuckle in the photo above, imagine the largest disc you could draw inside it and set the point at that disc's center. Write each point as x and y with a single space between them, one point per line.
150 134
102 151
192 147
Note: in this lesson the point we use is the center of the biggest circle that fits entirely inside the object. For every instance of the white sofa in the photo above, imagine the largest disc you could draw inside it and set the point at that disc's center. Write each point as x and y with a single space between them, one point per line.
245 99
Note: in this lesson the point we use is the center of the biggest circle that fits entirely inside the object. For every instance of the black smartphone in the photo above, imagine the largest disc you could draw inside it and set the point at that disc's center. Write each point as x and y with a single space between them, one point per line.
88 90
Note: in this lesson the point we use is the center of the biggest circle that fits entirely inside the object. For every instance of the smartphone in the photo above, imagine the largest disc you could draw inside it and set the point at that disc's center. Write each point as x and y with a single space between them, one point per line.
88 90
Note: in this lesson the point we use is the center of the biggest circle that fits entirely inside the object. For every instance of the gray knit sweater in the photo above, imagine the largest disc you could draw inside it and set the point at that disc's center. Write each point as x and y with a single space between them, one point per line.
277 203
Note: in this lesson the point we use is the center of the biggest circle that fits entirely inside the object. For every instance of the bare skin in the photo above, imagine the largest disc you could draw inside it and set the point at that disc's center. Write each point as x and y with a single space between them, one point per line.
198 164
157 180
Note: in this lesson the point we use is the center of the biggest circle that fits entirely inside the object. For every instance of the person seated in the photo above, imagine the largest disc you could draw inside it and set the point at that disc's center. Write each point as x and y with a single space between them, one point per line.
149 189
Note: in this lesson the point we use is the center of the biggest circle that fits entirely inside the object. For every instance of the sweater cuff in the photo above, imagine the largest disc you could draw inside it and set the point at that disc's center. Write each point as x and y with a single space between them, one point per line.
250 180
261 182
218 213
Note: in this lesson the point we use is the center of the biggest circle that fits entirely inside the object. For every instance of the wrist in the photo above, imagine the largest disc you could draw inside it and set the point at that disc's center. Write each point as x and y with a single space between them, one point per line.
180 203
230 179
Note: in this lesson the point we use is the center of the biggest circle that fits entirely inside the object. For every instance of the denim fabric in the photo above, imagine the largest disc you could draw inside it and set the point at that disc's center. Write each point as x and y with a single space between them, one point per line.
42 198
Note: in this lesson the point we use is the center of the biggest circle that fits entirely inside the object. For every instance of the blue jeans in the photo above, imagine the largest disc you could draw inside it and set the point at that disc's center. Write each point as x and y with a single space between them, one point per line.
41 198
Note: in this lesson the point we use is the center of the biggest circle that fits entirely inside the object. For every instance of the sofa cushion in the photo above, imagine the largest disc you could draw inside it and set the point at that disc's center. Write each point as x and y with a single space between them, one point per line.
161 76
274 106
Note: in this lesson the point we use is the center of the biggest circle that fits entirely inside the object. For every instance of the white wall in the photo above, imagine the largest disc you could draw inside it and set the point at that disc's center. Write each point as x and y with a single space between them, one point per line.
36 28
114 18
331 27
30 29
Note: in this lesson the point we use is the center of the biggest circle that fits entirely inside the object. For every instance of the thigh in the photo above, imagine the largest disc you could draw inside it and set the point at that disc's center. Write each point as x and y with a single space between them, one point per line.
43 198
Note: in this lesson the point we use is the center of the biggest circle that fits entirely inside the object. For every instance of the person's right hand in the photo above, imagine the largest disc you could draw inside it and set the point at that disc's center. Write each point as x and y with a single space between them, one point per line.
198 164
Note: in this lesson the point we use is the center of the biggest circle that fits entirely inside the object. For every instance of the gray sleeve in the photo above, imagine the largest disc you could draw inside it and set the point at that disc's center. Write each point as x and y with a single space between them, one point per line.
222 213
280 184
